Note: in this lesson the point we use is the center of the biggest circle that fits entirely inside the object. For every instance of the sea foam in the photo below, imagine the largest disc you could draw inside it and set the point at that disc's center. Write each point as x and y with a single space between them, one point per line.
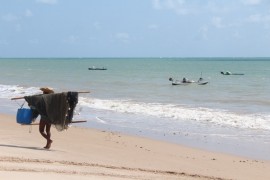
181 113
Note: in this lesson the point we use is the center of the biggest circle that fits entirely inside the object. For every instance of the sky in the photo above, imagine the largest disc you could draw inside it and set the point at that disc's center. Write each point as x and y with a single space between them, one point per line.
134 28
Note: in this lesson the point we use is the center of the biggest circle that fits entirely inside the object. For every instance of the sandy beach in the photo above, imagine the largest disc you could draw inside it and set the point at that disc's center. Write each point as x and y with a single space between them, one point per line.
83 153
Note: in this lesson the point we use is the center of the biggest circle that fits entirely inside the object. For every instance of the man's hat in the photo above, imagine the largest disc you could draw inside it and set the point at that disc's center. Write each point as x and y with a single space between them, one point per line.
47 90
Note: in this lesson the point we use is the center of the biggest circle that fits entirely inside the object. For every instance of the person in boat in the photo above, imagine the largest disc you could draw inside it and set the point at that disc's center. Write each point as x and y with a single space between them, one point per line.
201 79
44 123
226 73
184 80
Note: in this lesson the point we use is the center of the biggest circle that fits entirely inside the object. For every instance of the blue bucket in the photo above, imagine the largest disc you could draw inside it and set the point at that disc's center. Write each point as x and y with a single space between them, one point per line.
24 116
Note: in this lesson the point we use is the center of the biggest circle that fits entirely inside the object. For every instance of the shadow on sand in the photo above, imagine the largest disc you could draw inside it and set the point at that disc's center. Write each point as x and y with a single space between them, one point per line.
24 147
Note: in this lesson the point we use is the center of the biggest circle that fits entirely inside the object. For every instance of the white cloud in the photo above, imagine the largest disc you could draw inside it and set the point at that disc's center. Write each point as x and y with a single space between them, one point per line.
260 19
47 1
177 6
204 32
33 41
237 35
252 2
10 17
217 22
72 39
255 18
28 13
18 27
156 4
153 26
3 42
124 37
97 25
216 7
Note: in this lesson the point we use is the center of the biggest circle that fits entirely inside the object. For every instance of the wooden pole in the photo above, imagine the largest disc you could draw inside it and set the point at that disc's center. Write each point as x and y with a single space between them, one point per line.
15 98
78 121
38 123
83 91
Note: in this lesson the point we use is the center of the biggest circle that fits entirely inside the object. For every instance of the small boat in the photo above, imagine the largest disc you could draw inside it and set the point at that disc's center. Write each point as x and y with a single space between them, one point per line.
201 81
229 73
96 68
177 82
188 82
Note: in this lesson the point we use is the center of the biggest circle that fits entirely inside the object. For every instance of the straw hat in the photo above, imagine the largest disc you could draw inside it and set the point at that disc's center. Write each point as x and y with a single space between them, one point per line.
47 90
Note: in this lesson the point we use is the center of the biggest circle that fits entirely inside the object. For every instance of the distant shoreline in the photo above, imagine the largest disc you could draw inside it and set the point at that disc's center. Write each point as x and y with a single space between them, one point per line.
180 58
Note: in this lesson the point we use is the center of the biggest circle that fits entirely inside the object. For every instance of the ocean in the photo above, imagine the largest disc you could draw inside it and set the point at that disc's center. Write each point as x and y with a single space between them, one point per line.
230 114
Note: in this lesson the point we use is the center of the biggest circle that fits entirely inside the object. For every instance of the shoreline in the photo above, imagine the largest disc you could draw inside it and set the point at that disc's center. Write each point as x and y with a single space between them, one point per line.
87 153
238 146
235 147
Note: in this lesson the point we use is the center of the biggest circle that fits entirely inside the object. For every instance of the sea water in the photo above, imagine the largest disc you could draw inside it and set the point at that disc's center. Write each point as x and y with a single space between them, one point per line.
134 95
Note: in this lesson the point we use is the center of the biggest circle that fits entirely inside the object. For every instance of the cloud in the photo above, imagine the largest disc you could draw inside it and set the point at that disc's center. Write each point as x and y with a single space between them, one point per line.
124 37
203 31
28 13
97 25
178 6
18 27
72 39
33 41
217 22
251 2
255 18
50 2
156 4
259 18
217 7
10 17
153 26
185 7
237 35
3 42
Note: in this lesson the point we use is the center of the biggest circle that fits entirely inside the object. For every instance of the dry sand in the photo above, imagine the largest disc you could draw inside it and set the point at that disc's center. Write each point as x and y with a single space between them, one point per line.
83 153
